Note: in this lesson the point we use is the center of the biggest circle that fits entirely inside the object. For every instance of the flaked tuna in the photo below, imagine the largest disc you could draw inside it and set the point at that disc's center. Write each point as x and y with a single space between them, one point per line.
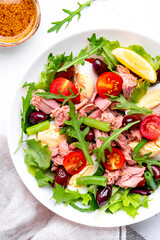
60 115
129 81
44 105
101 103
130 176
126 177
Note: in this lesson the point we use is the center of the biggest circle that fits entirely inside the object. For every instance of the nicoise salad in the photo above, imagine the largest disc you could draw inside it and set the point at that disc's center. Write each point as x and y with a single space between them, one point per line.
93 127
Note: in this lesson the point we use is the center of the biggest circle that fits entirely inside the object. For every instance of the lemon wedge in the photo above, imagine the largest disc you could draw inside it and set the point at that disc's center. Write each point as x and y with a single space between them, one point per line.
135 63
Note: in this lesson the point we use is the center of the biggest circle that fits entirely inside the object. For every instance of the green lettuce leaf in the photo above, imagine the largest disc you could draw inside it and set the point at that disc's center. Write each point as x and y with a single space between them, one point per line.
62 195
139 91
42 179
37 155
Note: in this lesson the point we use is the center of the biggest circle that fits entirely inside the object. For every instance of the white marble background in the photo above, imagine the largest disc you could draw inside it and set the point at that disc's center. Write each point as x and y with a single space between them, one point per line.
141 16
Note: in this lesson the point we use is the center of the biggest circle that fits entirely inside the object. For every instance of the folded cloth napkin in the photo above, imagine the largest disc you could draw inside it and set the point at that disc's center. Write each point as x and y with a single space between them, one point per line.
22 217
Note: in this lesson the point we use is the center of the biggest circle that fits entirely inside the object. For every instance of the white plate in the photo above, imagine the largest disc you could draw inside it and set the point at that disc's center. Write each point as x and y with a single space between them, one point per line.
74 43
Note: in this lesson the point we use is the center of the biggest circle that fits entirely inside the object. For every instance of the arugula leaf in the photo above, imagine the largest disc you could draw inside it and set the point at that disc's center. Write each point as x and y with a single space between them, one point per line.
42 179
148 161
26 109
95 45
139 91
76 132
62 195
57 25
140 50
109 59
47 76
37 155
124 104
48 95
107 142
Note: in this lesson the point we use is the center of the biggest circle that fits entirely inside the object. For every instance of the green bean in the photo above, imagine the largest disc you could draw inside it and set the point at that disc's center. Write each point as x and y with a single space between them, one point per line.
140 145
88 180
103 126
38 127
150 180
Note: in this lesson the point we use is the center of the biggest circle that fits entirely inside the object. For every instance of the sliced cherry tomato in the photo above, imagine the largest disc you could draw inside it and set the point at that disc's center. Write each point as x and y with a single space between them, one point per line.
150 127
74 162
109 83
90 60
65 74
63 85
114 160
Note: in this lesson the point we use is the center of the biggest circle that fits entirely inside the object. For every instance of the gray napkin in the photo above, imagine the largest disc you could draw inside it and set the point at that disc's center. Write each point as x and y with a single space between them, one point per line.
22 217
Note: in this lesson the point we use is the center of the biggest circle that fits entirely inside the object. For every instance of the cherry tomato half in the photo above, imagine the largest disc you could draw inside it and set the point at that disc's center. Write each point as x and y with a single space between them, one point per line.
150 127
63 85
114 160
109 83
74 162
90 60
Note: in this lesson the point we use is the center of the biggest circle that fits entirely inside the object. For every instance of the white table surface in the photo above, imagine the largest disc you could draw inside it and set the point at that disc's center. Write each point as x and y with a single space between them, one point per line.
141 16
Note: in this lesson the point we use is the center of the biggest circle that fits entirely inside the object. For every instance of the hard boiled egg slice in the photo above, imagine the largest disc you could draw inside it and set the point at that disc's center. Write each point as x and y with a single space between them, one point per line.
86 79
50 136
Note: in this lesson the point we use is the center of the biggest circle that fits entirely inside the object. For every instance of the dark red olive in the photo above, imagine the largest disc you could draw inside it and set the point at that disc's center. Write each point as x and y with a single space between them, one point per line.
61 177
36 117
66 74
103 195
156 171
89 137
132 118
99 66
142 183
141 191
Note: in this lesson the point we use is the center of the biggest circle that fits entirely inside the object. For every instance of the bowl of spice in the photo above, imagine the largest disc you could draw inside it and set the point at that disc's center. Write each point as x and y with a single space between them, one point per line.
19 20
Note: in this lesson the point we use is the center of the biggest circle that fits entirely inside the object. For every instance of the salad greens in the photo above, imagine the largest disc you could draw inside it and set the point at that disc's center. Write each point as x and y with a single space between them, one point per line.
60 194
37 155
122 199
47 76
76 132
105 52
26 109
48 95
57 25
43 179
95 45
139 91
107 142
131 106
